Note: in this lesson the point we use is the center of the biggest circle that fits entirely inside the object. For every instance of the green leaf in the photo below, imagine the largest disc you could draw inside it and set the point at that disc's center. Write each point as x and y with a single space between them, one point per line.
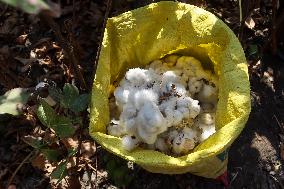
29 6
55 93
64 127
12 101
46 115
60 172
70 93
60 124
80 103
50 154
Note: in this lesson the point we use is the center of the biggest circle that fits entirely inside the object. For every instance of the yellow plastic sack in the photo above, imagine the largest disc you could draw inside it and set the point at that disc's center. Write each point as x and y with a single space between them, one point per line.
134 39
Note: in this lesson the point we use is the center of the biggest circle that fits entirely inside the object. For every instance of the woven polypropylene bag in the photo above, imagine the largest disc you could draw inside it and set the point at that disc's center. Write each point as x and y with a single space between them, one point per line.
134 39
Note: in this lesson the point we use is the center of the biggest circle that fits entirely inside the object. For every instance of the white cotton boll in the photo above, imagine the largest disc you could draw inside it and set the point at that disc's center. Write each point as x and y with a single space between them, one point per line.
171 59
188 62
180 89
115 130
125 84
121 96
194 63
183 143
207 118
185 112
191 66
153 76
127 119
169 64
184 102
171 135
146 137
130 126
137 76
181 62
207 131
194 109
129 142
139 98
169 103
194 85
151 118
156 64
184 76
173 117
177 72
161 145
164 68
189 72
204 74
184 79
207 107
208 94
129 111
169 76
177 117
192 105
190 133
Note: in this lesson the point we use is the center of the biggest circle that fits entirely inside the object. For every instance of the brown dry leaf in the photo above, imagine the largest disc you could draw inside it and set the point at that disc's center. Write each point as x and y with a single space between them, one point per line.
43 164
250 23
21 40
50 137
41 51
39 162
268 79
88 149
70 142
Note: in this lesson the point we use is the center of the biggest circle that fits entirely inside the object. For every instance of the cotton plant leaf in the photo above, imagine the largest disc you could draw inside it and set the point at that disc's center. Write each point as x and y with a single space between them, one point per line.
60 172
70 93
29 6
12 101
60 124
80 103
51 154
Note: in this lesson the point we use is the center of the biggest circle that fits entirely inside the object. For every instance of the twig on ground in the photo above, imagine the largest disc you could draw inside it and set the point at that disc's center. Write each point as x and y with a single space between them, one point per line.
277 180
233 179
68 49
279 124
18 168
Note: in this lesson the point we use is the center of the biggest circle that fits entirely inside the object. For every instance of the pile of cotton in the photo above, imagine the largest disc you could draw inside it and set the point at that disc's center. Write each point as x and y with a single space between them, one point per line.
168 106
